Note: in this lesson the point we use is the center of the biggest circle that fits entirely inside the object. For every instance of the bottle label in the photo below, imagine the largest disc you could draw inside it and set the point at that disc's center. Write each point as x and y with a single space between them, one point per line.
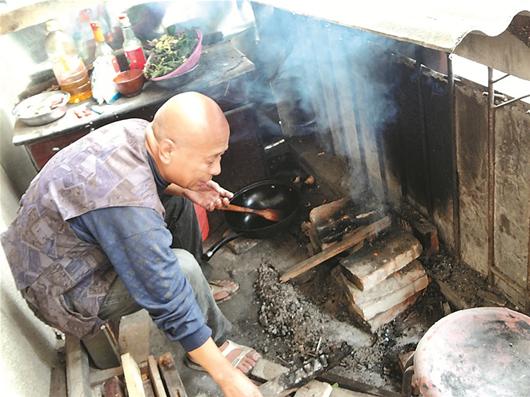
136 58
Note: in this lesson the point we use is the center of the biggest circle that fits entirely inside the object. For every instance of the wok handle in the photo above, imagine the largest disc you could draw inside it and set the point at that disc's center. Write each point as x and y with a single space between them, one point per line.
214 248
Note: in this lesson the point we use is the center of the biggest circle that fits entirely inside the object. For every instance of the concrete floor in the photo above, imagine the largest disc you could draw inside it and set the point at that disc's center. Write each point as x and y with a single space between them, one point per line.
283 251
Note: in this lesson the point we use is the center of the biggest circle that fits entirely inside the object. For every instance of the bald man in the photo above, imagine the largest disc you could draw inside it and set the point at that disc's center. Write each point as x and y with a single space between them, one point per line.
108 227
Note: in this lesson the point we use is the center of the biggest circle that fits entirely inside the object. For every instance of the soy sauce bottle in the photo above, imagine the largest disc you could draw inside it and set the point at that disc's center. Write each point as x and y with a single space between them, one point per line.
131 45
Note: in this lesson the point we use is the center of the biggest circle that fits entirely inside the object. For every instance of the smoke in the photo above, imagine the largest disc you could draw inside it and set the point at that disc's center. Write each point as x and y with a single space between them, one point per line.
327 79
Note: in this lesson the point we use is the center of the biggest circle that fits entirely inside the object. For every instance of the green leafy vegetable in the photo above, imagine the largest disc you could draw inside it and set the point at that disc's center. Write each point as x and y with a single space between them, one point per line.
169 52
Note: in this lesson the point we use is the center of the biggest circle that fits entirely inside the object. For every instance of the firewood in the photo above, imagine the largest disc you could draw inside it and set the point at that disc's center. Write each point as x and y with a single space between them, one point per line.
396 281
133 378
404 359
322 213
372 265
336 228
390 292
384 318
354 239
422 229
314 389
154 374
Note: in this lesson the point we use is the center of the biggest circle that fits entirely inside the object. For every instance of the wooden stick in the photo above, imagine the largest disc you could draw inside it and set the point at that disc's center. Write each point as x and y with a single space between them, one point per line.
77 369
171 376
133 378
154 374
355 238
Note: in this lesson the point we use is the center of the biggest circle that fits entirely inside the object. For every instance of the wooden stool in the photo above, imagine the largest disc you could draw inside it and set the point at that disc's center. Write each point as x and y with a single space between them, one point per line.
483 352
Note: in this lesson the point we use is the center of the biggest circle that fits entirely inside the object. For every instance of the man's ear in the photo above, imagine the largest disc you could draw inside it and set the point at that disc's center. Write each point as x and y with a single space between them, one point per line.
167 147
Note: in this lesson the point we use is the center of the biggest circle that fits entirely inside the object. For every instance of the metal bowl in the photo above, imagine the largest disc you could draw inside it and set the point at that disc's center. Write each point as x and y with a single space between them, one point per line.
42 108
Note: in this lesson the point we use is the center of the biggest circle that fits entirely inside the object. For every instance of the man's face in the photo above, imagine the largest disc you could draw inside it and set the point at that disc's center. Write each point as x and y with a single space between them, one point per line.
194 163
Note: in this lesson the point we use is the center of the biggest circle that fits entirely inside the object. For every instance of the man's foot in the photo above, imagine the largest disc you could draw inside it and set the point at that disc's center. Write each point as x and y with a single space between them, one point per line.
223 290
242 357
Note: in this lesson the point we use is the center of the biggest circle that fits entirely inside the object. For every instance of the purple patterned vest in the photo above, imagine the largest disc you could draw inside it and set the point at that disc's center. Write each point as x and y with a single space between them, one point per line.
63 278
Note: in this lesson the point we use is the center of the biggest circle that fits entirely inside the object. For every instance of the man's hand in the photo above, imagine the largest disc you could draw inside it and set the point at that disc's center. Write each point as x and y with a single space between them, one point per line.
239 385
210 196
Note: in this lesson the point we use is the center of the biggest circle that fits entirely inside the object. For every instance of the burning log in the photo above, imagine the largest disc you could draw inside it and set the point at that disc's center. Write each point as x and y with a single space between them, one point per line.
355 238
335 229
332 222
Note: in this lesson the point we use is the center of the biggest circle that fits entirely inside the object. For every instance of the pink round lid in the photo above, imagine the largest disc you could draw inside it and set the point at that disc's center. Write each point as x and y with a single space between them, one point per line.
480 352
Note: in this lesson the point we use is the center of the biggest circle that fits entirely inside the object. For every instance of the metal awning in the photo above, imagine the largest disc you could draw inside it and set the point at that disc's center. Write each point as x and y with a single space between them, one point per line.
475 29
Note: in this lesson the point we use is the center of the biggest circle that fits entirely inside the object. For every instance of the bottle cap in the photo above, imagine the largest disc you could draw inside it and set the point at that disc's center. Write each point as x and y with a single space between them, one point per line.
96 29
124 20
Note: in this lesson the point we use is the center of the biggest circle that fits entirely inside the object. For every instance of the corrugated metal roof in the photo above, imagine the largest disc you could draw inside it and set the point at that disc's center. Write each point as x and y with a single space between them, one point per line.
440 25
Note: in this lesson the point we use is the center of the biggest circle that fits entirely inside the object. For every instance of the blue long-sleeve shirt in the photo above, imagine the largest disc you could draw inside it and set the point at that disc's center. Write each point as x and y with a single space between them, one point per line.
137 243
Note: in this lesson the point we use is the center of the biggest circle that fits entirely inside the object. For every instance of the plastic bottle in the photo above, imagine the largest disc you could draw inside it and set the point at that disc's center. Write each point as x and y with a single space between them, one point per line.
105 69
131 45
68 67
103 50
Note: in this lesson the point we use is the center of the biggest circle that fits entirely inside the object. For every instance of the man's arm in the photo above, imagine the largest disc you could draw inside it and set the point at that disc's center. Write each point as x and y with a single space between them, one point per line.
138 245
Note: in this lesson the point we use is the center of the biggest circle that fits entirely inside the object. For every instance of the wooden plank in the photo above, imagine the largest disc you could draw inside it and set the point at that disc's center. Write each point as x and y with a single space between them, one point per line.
100 375
338 392
58 381
314 389
471 124
422 229
113 388
384 318
404 359
355 238
135 335
370 308
171 376
452 296
400 279
77 379
148 388
348 384
512 202
154 374
133 377
371 266
265 370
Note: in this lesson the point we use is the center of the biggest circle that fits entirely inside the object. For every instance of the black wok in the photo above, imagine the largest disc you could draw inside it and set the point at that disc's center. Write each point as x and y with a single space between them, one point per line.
260 195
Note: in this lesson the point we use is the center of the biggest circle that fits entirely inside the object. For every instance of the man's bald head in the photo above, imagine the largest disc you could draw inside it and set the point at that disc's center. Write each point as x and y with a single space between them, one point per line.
189 117
188 136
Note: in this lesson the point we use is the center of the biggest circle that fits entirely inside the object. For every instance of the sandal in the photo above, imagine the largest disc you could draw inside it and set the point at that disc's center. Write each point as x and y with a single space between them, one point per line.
223 290
245 352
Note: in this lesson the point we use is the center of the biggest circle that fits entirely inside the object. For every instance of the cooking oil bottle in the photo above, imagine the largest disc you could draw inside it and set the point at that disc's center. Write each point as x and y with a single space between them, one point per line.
68 67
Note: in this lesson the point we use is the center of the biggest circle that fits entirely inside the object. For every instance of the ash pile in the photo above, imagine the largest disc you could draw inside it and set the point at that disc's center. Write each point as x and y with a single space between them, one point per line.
303 326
